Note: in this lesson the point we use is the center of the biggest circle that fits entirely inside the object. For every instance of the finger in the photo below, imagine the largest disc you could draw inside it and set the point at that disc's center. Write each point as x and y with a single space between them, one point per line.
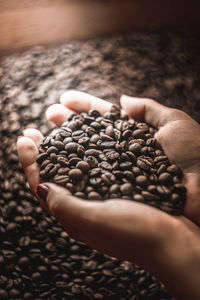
34 134
151 111
58 114
107 225
28 152
83 102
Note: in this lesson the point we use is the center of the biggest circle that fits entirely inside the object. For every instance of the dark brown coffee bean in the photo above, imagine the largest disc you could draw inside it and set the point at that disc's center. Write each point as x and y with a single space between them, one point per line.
151 142
136 171
126 188
53 171
94 138
73 125
52 149
138 134
61 179
144 164
92 152
142 126
105 165
129 175
148 196
59 145
53 158
92 161
75 174
142 180
94 196
44 164
138 197
94 172
84 140
63 171
80 151
107 145
112 155
74 160
174 170
93 113
108 178
41 157
125 165
152 188
3 294
63 161
110 131
162 168
161 159
71 147
80 195
163 191
131 156
95 181
165 178
67 140
83 165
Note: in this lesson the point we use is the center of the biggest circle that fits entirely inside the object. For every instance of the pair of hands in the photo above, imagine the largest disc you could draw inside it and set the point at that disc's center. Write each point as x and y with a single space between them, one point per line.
167 246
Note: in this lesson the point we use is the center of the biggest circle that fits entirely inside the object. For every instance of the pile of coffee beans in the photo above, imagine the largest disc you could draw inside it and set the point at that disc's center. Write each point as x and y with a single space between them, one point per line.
102 157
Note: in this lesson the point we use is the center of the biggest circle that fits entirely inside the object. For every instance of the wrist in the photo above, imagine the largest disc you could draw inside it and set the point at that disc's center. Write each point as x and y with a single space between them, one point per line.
178 263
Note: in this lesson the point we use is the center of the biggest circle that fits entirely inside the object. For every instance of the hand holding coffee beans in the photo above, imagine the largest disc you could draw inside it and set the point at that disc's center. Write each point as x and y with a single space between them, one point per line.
122 228
104 157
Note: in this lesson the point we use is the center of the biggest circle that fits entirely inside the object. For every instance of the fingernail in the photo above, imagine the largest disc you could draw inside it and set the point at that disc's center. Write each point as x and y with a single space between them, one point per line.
42 191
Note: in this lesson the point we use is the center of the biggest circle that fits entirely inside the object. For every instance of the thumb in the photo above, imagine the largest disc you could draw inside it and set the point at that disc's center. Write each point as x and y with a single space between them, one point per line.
75 215
150 111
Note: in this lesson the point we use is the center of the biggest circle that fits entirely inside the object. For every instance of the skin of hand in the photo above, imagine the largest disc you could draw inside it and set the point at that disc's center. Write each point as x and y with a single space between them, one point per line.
167 246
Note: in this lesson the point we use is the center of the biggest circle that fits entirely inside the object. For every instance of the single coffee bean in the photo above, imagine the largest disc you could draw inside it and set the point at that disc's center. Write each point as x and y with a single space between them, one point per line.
126 188
75 174
41 157
71 147
165 178
92 152
92 161
52 149
94 138
83 165
94 196
95 181
142 180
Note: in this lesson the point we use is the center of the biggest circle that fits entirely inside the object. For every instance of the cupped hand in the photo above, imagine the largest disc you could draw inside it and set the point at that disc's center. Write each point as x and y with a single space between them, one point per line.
165 245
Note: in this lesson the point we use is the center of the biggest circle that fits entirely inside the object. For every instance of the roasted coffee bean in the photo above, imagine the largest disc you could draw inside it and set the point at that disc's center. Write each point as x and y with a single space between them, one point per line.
165 178
63 161
92 161
71 147
84 140
94 113
142 180
75 174
92 152
74 160
41 157
52 149
59 145
110 131
94 196
108 178
125 165
126 188
138 134
83 165
61 179
53 158
138 197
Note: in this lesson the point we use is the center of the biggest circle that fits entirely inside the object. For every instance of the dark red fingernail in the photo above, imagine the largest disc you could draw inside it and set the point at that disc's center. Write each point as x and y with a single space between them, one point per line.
42 191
